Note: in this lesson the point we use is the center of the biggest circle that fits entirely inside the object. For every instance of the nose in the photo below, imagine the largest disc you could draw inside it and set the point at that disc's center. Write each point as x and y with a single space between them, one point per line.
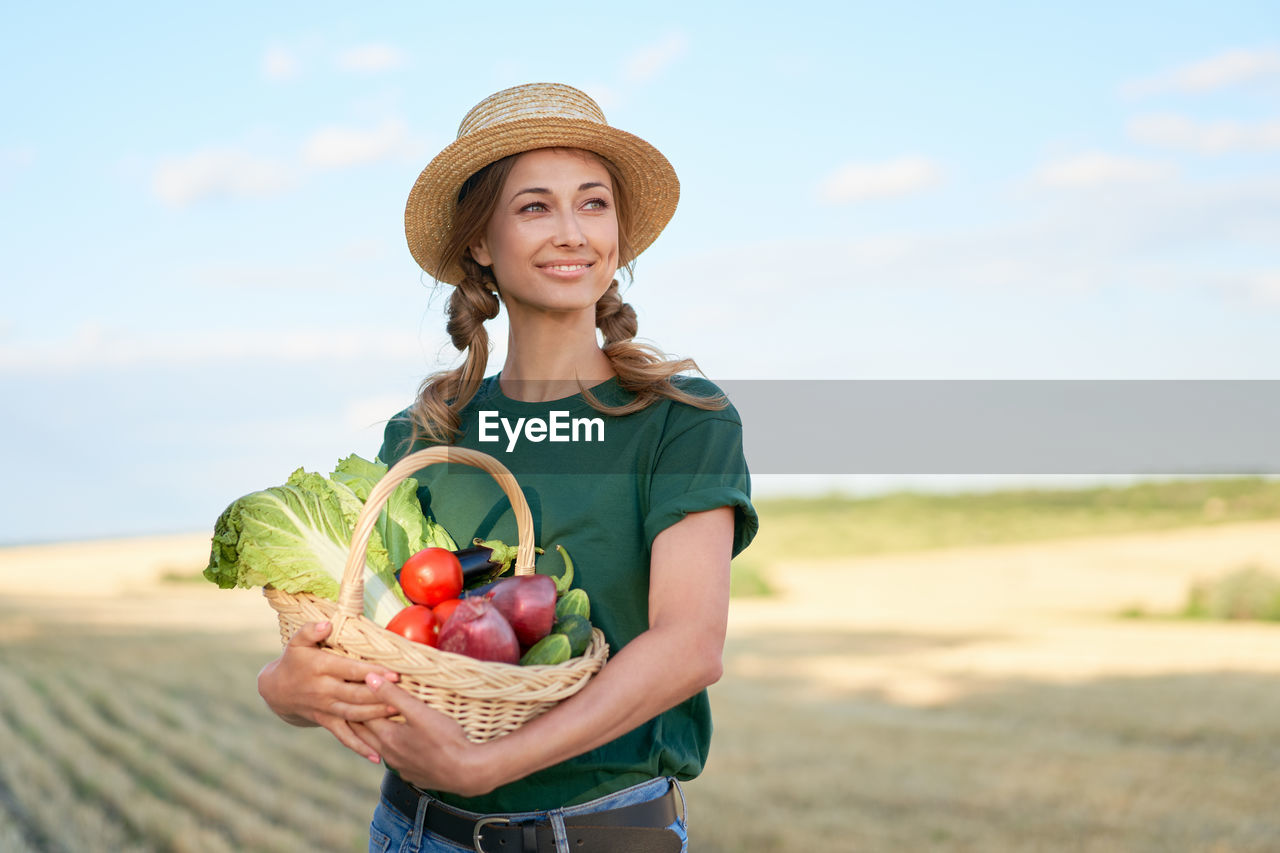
568 232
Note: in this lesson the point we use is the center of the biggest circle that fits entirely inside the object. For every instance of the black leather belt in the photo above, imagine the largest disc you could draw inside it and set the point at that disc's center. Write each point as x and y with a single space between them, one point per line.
637 828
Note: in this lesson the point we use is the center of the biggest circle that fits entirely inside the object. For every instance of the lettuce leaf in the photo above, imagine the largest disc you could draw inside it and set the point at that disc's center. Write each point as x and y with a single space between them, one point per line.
296 537
404 530
360 475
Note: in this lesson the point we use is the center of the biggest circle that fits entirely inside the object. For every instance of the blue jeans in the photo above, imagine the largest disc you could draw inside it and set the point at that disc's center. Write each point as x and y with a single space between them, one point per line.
392 832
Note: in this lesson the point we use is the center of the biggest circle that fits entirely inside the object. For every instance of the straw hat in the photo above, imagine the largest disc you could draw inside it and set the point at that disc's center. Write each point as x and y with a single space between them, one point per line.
523 118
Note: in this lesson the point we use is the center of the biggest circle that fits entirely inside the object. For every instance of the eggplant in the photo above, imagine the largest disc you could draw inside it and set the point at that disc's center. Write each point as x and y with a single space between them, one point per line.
478 565
480 591
485 560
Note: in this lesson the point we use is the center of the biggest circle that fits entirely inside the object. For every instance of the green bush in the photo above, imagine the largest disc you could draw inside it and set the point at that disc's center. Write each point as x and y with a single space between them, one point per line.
1249 592
838 526
747 580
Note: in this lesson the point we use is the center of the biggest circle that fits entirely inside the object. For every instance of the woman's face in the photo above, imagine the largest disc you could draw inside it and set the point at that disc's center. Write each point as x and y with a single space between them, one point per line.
553 238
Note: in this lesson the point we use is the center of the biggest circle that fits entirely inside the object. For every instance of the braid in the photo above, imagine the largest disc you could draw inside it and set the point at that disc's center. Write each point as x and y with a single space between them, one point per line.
641 369
443 395
472 302
615 318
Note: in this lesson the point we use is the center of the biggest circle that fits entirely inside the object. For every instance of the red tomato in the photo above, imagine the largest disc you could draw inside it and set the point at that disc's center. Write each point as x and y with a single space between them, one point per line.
431 576
416 622
444 610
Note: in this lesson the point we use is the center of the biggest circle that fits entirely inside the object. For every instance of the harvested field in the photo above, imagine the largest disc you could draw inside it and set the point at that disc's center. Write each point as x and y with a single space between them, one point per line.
978 698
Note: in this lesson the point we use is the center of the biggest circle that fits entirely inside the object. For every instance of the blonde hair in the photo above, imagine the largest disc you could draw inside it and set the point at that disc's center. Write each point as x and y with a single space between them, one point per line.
642 369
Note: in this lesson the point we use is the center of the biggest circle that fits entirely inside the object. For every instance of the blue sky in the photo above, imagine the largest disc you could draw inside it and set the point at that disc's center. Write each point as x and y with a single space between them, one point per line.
206 282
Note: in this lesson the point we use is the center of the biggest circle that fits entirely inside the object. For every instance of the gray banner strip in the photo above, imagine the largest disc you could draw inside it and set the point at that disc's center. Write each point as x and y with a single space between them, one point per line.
1017 427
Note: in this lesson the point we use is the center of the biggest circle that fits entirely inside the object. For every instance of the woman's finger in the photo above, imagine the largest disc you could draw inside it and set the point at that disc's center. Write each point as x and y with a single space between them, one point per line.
339 666
347 669
391 695
342 730
310 634
358 706
366 734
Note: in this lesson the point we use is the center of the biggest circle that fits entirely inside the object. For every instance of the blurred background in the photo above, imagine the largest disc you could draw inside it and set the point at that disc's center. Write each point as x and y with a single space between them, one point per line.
206 282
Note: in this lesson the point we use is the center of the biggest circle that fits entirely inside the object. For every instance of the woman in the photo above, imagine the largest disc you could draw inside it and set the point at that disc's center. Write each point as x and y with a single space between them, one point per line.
535 207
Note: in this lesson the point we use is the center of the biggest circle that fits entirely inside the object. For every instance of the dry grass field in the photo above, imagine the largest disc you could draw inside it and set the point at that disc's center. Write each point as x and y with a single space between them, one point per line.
989 698
979 698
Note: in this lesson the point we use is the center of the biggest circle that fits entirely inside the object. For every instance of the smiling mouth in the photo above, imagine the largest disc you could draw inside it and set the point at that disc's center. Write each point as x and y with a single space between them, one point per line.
567 267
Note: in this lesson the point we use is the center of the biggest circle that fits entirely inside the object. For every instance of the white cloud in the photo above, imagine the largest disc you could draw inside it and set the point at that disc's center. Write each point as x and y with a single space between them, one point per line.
233 171
859 181
608 97
1265 287
213 172
1216 137
97 346
17 157
1099 169
333 147
280 63
360 413
14 160
370 58
1163 235
1231 68
649 61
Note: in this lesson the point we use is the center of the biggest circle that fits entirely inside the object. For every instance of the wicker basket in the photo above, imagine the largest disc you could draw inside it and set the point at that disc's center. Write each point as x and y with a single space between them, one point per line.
487 699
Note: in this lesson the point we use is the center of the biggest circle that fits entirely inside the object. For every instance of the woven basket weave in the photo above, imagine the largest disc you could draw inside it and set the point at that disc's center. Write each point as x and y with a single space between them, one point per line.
487 699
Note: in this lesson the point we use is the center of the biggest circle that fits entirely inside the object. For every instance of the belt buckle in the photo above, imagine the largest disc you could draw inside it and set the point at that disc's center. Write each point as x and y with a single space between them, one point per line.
481 824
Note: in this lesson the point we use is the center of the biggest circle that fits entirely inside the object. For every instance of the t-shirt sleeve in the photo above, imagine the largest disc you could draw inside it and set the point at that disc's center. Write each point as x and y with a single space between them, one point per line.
702 467
396 439
397 443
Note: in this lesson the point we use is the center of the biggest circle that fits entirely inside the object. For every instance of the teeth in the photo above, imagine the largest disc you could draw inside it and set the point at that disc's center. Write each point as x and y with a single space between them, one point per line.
569 267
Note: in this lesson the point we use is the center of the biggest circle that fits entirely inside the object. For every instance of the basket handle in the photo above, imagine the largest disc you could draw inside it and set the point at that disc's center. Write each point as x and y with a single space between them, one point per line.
351 595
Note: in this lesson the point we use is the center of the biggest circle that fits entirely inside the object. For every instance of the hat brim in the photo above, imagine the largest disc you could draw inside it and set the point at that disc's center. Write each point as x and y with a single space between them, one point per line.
652 188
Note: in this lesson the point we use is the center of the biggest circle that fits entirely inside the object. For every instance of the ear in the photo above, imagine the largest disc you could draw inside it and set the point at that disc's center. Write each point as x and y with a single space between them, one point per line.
480 252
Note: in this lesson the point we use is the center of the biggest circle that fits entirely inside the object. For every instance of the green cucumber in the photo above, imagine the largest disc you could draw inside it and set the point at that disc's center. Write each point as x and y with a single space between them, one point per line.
566 577
577 630
549 651
574 601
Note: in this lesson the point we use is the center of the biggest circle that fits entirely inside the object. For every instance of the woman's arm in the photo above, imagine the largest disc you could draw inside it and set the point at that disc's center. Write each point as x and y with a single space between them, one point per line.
677 656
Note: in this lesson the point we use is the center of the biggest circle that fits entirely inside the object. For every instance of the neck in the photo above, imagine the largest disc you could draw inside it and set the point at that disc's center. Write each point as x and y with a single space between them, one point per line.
553 359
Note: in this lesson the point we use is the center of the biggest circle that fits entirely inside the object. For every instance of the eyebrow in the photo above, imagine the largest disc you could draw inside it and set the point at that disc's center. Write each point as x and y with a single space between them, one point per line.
589 185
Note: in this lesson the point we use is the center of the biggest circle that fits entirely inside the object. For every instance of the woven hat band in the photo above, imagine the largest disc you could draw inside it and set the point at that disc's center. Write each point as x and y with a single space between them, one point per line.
531 101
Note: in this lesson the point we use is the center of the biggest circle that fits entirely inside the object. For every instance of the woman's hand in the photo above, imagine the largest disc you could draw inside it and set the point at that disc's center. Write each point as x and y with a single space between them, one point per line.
308 686
428 749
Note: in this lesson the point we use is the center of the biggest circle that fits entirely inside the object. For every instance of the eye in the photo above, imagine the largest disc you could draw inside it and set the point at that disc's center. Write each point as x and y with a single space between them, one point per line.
597 204
533 207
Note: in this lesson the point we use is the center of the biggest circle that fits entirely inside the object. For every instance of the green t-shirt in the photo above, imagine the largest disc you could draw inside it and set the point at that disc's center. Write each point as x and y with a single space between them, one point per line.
604 496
